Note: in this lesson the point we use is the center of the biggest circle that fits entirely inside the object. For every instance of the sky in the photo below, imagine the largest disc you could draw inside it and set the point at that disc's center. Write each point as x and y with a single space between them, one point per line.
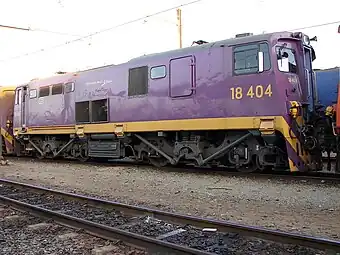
208 20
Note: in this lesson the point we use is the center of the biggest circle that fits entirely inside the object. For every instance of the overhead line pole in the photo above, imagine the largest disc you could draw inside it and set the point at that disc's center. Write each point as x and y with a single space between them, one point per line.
179 24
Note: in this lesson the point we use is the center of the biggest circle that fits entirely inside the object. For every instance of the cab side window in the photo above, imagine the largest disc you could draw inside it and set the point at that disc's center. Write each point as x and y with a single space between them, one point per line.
286 60
44 91
69 87
57 89
246 58
33 93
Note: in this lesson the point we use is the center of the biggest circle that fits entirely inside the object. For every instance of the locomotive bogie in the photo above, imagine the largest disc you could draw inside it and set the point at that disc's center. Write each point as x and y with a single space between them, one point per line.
244 150
246 144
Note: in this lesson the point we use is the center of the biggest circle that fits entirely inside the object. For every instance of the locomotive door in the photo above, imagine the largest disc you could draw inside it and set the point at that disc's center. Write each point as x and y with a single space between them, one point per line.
23 106
182 76
19 107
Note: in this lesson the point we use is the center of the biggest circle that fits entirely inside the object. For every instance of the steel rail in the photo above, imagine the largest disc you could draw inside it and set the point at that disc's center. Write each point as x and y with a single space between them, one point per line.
222 226
328 177
110 233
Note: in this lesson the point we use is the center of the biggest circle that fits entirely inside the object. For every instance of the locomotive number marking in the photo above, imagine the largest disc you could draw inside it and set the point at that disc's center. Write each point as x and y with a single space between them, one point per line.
258 92
236 93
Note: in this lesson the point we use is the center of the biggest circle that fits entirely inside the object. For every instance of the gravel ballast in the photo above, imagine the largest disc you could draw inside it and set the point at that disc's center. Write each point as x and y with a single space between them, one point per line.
22 233
280 204
198 238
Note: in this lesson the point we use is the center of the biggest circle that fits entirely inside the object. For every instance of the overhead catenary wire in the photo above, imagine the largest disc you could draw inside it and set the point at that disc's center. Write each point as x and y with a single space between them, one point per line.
314 26
28 29
102 31
80 38
53 32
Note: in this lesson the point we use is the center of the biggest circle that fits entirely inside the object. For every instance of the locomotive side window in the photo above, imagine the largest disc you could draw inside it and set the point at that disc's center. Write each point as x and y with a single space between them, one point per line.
246 58
286 60
33 93
57 89
44 91
69 87
99 110
83 112
157 72
138 81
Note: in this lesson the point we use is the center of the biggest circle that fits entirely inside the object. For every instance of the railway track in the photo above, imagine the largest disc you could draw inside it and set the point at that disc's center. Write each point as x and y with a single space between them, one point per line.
157 232
22 233
311 177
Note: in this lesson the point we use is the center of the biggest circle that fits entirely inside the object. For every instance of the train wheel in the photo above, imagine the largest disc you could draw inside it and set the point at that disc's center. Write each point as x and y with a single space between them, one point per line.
247 169
250 168
39 156
158 162
83 153
83 159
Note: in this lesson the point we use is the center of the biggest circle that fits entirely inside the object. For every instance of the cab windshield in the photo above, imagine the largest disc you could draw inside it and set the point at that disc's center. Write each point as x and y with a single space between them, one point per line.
286 60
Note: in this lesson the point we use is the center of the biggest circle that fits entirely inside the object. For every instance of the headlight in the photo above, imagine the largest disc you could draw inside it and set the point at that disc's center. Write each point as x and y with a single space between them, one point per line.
306 40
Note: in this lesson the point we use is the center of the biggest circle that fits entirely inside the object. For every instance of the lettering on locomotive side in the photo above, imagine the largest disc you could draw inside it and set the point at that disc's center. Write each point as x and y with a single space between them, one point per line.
99 82
257 91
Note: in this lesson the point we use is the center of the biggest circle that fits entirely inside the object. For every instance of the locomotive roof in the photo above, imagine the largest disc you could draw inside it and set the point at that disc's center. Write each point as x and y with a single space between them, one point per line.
58 78
227 42
215 44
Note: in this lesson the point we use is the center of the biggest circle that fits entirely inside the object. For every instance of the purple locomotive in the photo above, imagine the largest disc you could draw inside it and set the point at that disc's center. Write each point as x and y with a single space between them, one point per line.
246 103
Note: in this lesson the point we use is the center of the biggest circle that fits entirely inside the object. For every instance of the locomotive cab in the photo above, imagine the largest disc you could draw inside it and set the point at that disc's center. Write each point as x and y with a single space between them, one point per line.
294 60
296 80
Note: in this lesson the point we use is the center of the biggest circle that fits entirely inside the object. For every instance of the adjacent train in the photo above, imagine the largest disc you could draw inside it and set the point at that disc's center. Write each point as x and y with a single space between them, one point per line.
247 103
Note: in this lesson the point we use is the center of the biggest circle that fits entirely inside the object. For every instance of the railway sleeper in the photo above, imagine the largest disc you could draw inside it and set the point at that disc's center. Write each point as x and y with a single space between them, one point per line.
165 230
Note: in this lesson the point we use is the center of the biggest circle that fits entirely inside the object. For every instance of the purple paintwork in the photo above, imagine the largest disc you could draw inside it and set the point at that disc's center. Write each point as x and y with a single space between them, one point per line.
211 78
52 110
213 82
